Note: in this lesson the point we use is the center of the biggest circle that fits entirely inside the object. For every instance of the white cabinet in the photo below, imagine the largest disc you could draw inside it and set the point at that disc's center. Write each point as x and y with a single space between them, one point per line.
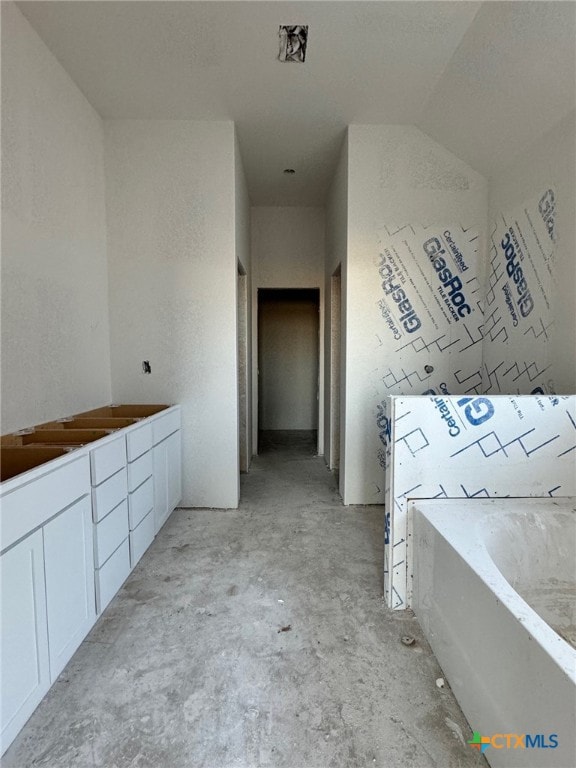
24 658
47 608
138 441
107 495
109 533
174 465
139 470
70 532
109 471
108 459
47 582
167 478
141 515
111 576
141 491
69 569
140 503
160 457
141 538
165 425
28 503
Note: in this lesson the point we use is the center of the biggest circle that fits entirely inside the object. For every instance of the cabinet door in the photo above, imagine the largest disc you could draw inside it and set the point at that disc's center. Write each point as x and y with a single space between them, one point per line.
160 463
167 478
24 657
69 567
174 468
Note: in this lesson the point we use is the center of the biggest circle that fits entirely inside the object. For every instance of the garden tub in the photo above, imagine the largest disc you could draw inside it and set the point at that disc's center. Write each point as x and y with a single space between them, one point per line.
494 590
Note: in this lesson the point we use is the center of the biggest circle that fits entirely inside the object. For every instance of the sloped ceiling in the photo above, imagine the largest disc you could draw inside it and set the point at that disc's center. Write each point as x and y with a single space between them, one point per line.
485 80
511 80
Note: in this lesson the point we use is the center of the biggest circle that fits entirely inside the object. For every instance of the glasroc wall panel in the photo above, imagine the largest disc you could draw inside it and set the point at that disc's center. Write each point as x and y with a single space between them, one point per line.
469 447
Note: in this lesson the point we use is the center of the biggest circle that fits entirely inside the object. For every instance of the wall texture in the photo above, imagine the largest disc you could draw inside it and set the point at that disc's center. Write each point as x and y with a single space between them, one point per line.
287 247
414 275
474 448
55 336
336 261
288 252
173 285
244 299
530 334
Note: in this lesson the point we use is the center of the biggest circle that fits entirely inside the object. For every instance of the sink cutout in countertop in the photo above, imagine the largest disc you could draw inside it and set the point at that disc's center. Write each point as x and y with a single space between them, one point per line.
14 461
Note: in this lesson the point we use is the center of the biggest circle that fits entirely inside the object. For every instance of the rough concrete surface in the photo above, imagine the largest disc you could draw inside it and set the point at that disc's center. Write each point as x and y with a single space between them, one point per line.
252 638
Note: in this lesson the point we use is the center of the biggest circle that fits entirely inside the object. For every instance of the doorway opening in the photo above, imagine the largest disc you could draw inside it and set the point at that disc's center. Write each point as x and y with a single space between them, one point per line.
288 367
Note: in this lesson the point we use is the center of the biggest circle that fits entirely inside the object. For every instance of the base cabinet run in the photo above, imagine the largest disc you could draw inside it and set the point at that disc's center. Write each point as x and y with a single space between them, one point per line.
46 610
70 533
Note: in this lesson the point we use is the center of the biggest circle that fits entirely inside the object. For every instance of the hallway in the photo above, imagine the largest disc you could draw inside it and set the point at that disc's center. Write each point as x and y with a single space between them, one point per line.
254 637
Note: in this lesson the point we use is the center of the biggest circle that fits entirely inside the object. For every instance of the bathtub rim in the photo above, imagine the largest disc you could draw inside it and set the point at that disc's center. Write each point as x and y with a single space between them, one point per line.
476 555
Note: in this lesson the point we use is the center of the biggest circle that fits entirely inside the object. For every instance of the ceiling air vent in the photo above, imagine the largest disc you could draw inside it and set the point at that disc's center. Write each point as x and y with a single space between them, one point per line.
293 40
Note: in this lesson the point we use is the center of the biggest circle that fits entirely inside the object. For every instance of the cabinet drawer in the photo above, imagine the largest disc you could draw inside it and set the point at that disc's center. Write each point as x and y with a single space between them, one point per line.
109 494
139 470
107 460
25 508
112 575
165 426
138 441
140 503
110 533
141 538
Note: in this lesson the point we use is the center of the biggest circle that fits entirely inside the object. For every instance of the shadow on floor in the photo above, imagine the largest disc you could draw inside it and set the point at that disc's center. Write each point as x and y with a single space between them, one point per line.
304 441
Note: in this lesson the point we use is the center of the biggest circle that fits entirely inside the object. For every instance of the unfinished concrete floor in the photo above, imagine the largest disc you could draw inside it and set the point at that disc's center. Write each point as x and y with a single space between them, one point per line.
254 637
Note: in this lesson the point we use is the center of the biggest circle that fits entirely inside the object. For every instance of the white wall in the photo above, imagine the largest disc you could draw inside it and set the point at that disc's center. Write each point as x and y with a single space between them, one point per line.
173 283
536 351
470 448
287 252
244 299
288 247
404 188
336 258
55 337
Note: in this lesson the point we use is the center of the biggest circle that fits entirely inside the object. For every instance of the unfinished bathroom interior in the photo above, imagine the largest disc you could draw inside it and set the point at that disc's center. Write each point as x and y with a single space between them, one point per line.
288 324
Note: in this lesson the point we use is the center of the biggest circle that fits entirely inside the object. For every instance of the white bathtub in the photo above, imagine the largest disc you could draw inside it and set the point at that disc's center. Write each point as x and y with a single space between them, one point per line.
491 578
